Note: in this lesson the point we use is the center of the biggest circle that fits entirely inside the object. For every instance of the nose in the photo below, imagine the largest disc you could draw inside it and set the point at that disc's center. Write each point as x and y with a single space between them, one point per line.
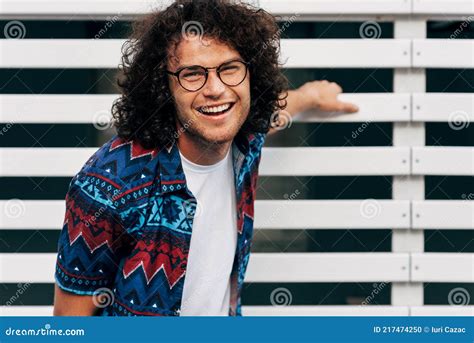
214 87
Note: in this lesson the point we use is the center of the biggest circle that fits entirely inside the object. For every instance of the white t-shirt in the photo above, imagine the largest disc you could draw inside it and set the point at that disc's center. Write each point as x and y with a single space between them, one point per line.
214 238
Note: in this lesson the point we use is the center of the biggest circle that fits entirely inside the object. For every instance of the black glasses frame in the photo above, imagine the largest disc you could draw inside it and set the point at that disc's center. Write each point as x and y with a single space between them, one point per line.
206 69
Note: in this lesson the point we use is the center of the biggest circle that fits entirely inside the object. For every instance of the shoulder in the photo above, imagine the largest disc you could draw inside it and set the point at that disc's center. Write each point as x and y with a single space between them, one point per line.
122 160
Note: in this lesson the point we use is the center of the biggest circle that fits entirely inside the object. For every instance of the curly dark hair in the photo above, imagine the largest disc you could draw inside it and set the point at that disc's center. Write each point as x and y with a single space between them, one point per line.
146 112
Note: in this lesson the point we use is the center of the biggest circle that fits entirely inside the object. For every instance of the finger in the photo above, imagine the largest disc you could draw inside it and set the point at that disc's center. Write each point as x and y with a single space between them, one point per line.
348 107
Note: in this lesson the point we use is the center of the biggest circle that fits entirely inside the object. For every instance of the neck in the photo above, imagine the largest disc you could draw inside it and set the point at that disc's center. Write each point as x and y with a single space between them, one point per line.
200 152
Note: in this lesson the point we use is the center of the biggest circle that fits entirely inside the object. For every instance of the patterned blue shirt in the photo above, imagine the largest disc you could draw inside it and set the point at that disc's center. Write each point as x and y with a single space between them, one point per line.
128 225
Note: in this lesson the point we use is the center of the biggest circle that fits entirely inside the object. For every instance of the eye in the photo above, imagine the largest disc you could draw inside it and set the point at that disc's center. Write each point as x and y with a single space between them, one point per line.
192 74
229 68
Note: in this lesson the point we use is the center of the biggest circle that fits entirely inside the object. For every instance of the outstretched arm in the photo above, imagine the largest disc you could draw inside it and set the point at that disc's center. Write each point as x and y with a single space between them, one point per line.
318 95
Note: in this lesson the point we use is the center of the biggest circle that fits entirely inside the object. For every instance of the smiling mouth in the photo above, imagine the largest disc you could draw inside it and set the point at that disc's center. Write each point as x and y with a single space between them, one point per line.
216 110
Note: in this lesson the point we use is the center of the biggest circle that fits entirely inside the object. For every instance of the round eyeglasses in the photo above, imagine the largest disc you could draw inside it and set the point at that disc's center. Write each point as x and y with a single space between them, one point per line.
193 78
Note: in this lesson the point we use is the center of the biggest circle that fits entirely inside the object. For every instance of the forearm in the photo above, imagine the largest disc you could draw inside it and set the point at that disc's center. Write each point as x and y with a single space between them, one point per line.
296 102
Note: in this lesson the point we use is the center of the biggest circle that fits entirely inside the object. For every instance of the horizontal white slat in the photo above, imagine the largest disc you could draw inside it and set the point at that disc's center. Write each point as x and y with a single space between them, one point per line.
26 311
373 107
335 161
324 310
301 53
27 267
456 108
327 267
302 310
56 108
95 108
43 161
73 8
32 214
306 214
275 161
263 267
60 53
435 160
290 214
345 53
443 7
442 267
442 311
443 214
443 53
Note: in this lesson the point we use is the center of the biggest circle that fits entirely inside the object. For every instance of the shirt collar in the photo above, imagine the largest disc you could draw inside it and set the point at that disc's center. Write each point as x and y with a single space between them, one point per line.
171 169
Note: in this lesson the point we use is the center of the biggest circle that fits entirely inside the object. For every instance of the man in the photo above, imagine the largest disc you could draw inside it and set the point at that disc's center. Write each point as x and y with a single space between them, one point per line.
159 220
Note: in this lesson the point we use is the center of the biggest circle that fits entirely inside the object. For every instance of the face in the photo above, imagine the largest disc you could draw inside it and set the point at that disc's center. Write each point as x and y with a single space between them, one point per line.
196 111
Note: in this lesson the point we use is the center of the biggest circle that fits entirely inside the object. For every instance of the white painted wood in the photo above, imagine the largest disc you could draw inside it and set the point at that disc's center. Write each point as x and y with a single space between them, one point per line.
32 214
443 7
435 160
306 214
26 311
301 53
43 161
337 7
327 267
325 310
443 214
443 53
408 187
60 53
95 108
442 311
335 161
73 8
56 108
263 267
373 107
456 108
31 267
320 310
442 267
275 161
345 53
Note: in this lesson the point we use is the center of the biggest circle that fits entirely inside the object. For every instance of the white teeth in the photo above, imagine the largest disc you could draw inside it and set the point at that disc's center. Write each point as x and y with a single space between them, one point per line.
215 109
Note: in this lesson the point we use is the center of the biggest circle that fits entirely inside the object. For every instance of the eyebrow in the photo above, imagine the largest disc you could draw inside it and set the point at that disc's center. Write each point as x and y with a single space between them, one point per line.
195 65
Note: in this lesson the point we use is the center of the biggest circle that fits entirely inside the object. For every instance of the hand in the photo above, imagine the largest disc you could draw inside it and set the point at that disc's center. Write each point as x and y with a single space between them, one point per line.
322 95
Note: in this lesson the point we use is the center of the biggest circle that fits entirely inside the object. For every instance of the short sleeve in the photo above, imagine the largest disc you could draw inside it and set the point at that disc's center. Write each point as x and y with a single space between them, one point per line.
92 237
